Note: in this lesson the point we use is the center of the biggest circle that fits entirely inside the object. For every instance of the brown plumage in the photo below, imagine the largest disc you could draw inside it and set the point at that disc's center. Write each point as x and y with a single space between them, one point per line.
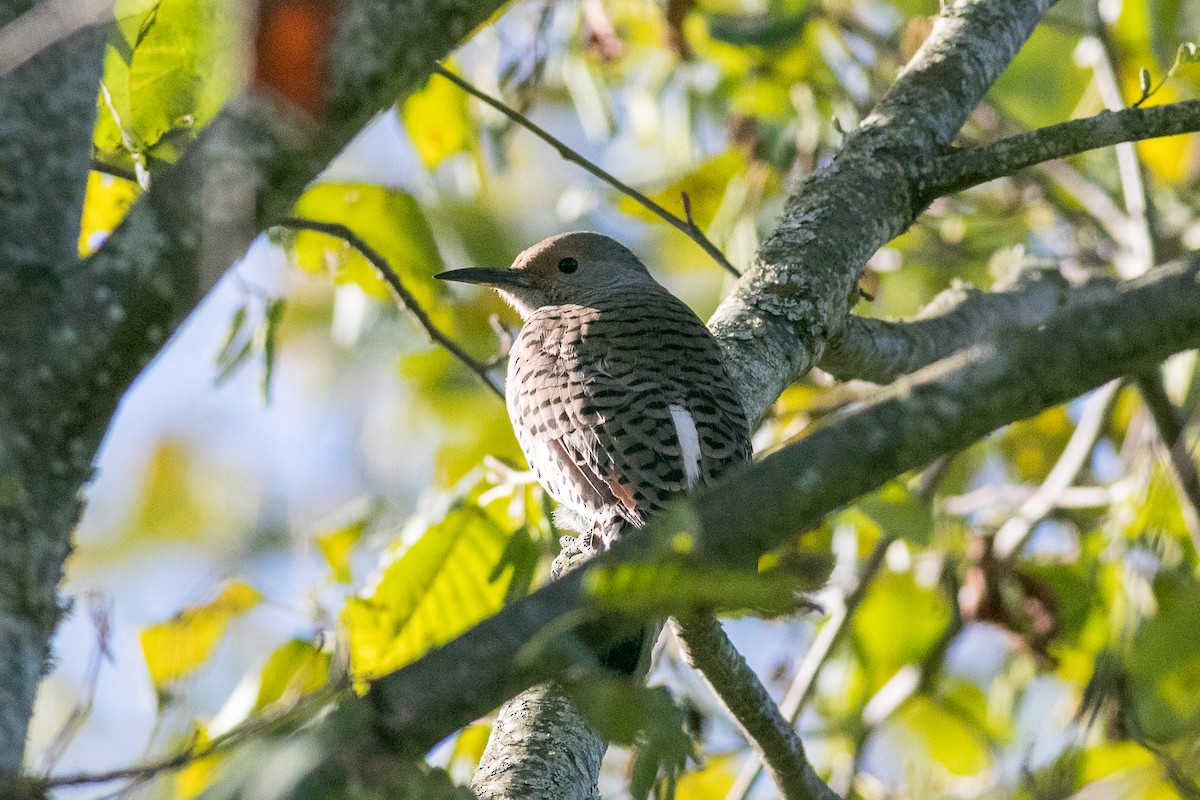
616 390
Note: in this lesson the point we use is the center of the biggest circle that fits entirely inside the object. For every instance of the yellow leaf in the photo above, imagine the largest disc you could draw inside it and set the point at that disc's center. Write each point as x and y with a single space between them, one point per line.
337 545
174 648
200 773
438 122
715 780
468 748
705 187
297 667
105 203
944 736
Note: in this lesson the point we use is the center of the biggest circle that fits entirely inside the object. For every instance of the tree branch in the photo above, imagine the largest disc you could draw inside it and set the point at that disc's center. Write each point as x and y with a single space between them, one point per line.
1012 375
687 226
775 325
962 169
404 298
880 351
47 113
752 707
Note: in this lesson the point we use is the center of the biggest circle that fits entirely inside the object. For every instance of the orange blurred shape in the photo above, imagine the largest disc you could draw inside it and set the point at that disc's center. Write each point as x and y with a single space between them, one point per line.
290 52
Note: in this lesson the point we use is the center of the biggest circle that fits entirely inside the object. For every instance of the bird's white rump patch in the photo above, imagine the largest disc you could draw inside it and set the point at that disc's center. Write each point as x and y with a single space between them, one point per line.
689 442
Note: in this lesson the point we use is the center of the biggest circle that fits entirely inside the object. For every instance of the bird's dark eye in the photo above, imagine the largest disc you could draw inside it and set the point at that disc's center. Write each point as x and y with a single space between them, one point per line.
568 265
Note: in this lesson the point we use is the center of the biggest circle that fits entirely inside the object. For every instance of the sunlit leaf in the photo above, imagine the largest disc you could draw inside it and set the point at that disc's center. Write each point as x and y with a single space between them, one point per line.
438 122
105 204
429 592
178 646
944 736
468 747
337 545
714 780
296 667
705 186
199 773
169 66
388 220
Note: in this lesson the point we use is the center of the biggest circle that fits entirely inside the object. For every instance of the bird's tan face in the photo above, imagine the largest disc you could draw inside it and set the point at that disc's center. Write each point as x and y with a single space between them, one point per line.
568 268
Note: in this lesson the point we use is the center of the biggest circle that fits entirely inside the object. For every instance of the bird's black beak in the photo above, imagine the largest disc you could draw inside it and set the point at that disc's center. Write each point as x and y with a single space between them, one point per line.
487 276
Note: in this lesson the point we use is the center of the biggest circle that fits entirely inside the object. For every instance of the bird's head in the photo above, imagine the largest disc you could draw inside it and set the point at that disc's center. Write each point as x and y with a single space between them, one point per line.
568 268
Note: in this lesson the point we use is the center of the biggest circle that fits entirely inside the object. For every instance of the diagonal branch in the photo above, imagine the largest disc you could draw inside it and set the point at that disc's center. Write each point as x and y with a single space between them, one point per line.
880 351
962 169
1013 374
775 325
687 226
815 659
404 298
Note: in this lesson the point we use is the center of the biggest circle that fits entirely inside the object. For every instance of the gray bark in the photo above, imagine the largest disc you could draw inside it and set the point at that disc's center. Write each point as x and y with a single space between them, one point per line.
47 112
74 336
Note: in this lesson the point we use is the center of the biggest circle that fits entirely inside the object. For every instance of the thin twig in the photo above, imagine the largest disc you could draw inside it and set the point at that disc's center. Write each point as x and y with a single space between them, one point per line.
404 297
124 173
690 229
818 654
249 728
1180 463
772 735
1015 531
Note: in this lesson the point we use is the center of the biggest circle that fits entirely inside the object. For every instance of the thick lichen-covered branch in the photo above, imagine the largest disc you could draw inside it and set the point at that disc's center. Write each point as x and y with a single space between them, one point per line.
47 109
880 351
73 337
796 296
1013 374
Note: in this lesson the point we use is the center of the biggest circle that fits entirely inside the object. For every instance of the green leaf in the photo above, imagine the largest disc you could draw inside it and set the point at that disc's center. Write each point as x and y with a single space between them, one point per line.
899 512
169 67
388 220
1164 658
297 667
430 591
897 623
178 646
628 712
269 332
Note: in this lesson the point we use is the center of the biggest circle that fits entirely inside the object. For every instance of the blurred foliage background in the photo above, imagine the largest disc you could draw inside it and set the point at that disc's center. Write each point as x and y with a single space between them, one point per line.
302 484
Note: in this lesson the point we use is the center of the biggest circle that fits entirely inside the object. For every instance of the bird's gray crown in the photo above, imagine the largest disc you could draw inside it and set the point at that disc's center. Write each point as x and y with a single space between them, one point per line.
572 267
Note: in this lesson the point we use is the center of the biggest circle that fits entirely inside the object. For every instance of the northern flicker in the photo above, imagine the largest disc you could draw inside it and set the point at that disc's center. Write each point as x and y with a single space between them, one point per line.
616 389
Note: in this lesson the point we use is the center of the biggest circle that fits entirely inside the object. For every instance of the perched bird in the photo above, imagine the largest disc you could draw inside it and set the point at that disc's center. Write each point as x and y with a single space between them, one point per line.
616 389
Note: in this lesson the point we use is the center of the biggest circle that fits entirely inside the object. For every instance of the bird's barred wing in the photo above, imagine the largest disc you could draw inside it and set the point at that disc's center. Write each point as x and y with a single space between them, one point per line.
613 428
